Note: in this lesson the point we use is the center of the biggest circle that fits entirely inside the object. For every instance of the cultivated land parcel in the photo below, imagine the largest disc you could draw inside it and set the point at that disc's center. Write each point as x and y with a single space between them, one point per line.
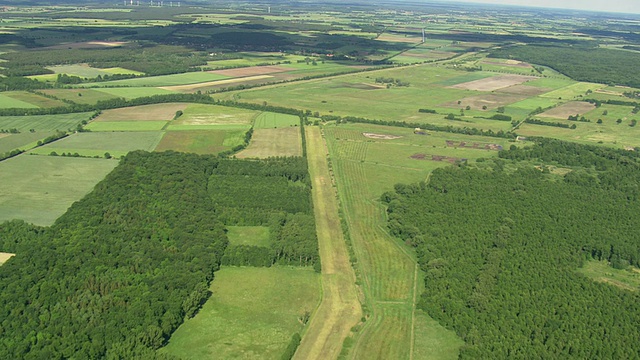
368 102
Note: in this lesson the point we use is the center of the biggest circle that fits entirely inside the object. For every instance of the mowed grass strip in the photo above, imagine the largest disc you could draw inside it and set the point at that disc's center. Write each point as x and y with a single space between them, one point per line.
273 142
38 189
162 80
126 126
249 235
340 308
39 123
198 141
133 92
251 314
270 120
97 143
152 112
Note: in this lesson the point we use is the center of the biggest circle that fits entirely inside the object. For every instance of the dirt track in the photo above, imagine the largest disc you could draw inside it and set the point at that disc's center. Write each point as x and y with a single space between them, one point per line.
340 308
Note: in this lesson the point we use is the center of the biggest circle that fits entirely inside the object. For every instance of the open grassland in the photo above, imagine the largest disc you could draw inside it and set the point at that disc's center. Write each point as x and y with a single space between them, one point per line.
340 308
249 235
201 141
609 132
273 142
34 99
22 141
133 92
601 271
38 189
126 125
9 102
39 123
215 116
269 120
368 160
251 314
569 109
162 80
80 96
154 112
86 71
204 86
117 144
573 91
4 257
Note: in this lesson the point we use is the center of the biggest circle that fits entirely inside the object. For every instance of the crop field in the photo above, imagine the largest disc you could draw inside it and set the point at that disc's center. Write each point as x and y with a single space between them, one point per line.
365 166
132 92
212 117
22 141
162 80
38 189
9 102
86 71
204 86
126 125
80 96
34 99
43 122
273 142
201 141
269 120
251 314
573 91
494 83
117 144
249 235
571 108
252 71
155 112
609 132
601 271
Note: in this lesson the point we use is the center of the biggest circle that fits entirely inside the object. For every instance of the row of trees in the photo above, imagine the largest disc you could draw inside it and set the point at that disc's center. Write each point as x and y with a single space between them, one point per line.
500 252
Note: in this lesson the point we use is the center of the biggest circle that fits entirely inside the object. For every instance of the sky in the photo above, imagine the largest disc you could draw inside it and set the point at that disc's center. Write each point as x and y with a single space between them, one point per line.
623 6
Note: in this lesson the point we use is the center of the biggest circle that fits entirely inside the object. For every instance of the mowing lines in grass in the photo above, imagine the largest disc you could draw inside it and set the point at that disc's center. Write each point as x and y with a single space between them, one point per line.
39 123
270 120
126 126
340 308
9 102
196 141
97 143
274 142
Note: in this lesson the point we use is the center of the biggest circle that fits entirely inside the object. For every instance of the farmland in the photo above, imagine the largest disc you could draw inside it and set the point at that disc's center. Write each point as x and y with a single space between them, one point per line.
200 141
91 144
158 112
274 142
43 122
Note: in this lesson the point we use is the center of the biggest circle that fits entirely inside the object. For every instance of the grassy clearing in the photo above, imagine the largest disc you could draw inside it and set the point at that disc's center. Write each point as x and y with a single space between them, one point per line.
38 189
200 141
340 308
39 123
163 80
251 315
34 99
91 144
249 235
133 92
126 125
9 102
154 112
431 342
80 96
274 142
269 120
601 271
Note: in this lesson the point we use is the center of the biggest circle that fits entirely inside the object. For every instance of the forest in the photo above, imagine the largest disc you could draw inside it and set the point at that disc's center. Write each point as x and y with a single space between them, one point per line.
124 266
501 244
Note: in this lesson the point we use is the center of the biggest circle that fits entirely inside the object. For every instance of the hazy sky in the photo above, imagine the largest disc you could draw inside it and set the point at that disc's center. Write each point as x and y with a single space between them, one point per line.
624 6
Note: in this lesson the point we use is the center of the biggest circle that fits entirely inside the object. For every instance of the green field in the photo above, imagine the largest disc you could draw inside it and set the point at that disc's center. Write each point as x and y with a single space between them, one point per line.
163 80
213 117
80 96
117 144
132 92
269 120
601 271
252 314
22 141
210 141
39 123
572 91
38 189
85 71
34 99
274 142
9 102
126 125
249 235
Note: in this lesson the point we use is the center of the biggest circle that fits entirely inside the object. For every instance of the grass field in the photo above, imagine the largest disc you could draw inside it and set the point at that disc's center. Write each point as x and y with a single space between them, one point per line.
22 141
126 125
201 141
80 96
573 91
269 120
162 80
34 99
9 102
249 235
252 314
340 308
38 189
274 142
117 144
154 112
132 92
217 116
86 71
601 271
39 123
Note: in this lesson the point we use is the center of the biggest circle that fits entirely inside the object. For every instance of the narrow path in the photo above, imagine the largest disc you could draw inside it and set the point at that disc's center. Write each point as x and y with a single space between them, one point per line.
340 309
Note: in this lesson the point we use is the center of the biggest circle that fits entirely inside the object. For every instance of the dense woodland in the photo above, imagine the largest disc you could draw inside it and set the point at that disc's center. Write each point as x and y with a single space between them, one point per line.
500 246
122 269
582 63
